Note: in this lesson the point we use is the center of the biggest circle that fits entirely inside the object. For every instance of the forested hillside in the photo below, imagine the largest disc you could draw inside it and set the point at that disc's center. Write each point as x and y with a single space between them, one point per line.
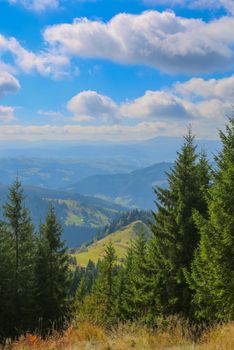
181 267
82 217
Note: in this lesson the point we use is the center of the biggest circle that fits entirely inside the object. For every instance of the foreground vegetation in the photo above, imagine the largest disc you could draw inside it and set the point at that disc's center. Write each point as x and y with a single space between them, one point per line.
90 337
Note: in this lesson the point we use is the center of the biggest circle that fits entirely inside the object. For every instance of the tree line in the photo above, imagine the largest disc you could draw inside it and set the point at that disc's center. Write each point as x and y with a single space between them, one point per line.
186 268
34 271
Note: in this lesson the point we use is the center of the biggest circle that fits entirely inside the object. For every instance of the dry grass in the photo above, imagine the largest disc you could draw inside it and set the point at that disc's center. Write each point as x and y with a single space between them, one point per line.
92 337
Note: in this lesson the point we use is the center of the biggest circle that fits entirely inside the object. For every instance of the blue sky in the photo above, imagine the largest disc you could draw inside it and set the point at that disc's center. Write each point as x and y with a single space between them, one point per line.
120 70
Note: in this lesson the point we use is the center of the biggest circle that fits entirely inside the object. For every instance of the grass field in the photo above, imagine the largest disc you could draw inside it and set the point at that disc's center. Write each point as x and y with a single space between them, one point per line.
120 239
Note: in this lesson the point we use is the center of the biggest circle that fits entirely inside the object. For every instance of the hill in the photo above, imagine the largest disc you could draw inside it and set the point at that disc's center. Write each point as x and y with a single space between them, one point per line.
134 189
82 217
121 240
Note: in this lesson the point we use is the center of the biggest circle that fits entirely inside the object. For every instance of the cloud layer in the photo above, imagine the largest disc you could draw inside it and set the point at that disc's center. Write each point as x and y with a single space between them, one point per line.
160 40
157 39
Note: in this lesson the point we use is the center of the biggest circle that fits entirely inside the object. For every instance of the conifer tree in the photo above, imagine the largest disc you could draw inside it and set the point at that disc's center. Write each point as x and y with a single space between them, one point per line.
105 286
125 289
212 273
174 233
132 297
22 231
6 283
52 275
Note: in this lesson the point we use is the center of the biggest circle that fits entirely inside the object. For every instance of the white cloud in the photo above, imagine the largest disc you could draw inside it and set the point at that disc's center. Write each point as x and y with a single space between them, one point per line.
213 88
6 114
210 4
157 104
89 104
45 62
36 5
157 39
8 84
204 103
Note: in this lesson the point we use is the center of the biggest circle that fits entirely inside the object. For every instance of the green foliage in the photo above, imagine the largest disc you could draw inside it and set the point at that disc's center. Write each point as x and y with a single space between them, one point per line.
7 283
23 246
34 275
174 233
105 287
212 272
51 274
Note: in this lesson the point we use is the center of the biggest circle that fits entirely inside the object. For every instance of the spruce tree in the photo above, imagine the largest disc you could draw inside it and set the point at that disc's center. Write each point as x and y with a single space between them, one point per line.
174 233
132 296
105 287
22 231
6 283
52 275
212 272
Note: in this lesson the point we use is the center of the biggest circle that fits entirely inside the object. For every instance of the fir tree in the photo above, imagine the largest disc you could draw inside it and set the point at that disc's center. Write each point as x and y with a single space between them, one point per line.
132 302
174 233
22 231
212 273
6 283
52 275
105 287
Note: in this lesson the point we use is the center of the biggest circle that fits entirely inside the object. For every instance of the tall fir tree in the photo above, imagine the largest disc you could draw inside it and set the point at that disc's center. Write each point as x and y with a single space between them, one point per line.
174 233
212 273
22 231
52 275
6 283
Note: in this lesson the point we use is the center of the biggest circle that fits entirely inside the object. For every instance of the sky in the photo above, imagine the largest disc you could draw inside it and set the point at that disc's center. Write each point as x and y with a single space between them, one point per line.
115 70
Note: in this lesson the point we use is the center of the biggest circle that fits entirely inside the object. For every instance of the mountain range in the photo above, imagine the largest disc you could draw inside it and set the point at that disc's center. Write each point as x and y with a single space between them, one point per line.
134 189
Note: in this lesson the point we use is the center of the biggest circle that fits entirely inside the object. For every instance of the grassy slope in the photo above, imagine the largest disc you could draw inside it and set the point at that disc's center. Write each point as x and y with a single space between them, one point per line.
121 240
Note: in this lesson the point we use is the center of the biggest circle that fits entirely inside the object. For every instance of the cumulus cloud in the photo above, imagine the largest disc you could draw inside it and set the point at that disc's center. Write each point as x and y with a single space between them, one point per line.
213 88
157 104
8 84
45 62
36 5
89 104
204 103
157 39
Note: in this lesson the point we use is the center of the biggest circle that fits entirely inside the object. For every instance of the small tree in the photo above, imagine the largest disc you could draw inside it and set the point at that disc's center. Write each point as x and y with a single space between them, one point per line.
105 286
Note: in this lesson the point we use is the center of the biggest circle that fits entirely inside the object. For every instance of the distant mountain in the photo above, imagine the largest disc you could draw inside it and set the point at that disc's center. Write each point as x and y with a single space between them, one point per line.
121 155
53 173
121 240
82 217
133 189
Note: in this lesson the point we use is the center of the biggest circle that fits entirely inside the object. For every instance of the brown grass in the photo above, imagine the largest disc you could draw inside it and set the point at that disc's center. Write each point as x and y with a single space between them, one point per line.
91 337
